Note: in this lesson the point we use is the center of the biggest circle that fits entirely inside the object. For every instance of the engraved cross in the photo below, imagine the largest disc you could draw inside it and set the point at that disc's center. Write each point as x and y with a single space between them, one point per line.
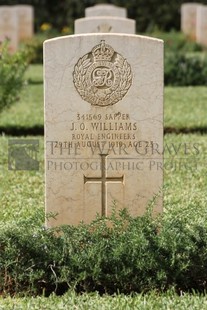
103 180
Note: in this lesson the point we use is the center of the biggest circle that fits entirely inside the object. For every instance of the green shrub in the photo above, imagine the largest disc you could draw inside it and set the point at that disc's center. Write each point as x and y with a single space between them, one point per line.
34 48
185 63
114 255
118 254
184 70
12 68
28 255
177 42
183 250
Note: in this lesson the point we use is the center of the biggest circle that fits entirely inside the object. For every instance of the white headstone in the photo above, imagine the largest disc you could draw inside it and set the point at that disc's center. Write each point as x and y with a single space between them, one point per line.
105 24
103 125
201 27
105 10
188 19
9 27
25 15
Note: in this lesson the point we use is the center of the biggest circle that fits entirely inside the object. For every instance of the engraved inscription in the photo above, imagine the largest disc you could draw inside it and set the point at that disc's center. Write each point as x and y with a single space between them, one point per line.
104 180
102 77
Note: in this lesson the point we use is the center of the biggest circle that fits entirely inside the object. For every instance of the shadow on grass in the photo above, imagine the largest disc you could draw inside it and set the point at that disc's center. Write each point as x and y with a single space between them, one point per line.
34 82
184 130
18 131
38 130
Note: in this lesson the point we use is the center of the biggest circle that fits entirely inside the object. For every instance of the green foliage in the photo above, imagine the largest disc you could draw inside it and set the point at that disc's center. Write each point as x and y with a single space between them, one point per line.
28 254
117 254
175 41
184 107
149 15
34 48
185 63
120 254
12 68
114 255
184 70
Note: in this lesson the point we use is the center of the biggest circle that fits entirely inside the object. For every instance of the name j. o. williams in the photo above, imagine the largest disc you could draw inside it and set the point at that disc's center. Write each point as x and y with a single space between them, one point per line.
99 126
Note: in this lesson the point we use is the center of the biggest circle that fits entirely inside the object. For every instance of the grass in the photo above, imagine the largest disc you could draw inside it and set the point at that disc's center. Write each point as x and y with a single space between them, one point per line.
185 173
71 301
184 108
22 192
34 74
185 178
28 111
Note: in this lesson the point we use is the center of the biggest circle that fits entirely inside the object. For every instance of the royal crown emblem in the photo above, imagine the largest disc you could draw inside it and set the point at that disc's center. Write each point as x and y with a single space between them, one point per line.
102 77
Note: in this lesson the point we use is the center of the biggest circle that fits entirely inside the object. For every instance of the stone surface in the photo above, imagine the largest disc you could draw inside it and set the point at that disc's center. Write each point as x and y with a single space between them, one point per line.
105 24
9 26
105 10
201 26
188 19
103 125
25 15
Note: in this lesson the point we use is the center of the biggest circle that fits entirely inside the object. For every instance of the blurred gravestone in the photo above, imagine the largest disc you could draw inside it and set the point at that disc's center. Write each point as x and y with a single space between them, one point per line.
9 27
105 10
105 18
201 29
25 15
103 125
188 19
104 24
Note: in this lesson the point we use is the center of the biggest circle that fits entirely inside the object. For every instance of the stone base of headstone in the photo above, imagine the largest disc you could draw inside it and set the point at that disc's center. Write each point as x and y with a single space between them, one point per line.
105 24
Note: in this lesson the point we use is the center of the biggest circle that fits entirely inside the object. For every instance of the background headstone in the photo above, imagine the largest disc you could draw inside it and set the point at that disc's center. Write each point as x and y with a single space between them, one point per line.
188 19
201 28
103 125
9 26
105 24
25 15
105 10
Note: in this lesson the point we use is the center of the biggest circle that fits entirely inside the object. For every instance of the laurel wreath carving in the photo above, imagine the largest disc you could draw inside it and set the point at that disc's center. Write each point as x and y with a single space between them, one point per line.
79 79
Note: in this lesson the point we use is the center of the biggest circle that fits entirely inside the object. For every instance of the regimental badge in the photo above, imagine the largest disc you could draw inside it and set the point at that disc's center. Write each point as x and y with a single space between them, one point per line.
102 77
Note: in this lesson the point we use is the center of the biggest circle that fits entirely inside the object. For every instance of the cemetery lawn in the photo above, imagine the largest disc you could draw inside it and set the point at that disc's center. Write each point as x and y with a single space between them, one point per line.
183 109
22 192
70 301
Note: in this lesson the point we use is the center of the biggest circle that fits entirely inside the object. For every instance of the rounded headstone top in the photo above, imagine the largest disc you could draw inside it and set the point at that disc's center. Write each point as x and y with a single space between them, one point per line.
105 10
103 4
191 5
